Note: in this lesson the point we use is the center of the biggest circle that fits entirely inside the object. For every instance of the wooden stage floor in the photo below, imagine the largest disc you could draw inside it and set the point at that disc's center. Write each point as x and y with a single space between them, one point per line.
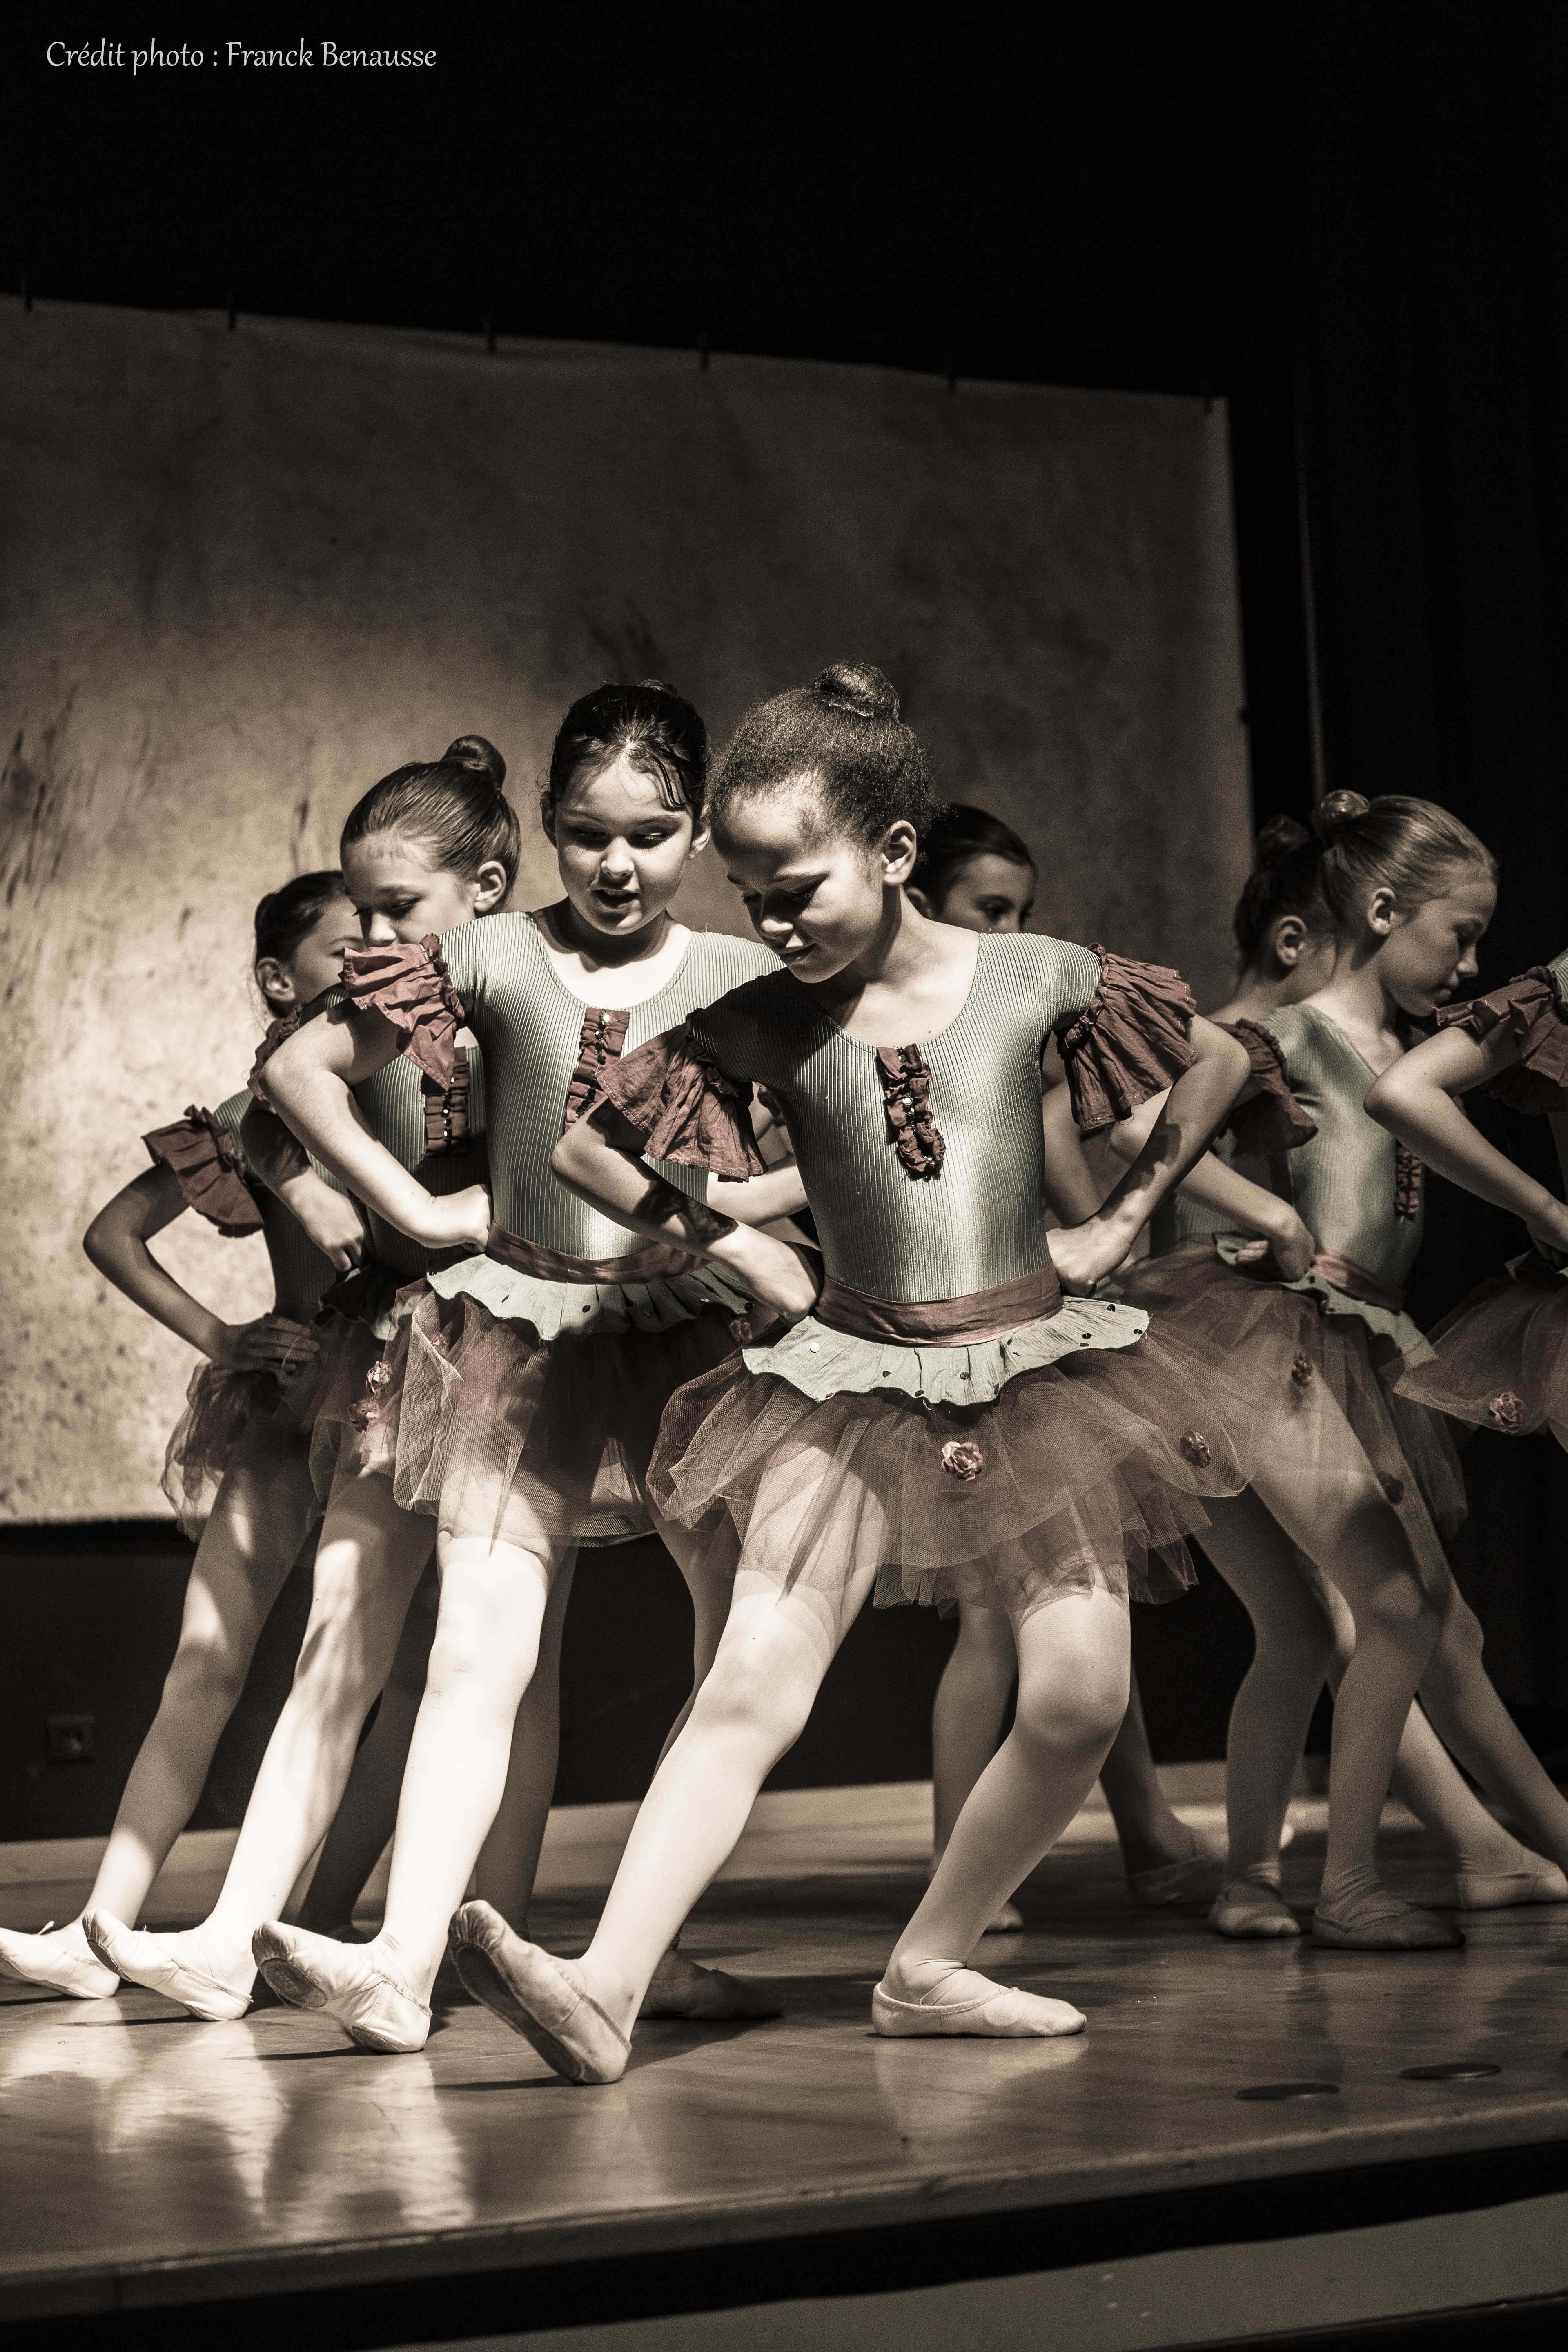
148 2161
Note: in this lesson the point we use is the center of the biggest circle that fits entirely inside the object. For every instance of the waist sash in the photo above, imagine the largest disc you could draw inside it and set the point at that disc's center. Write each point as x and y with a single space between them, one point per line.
658 1264
1344 1274
942 1322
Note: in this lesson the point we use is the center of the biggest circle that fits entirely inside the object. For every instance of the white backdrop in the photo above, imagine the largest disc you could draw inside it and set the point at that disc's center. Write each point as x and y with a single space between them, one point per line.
246 574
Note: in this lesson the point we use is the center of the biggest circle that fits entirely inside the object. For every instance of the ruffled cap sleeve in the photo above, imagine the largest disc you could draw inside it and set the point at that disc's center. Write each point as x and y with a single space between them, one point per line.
278 1033
1532 1009
411 987
210 1180
1265 1116
1131 1042
684 1107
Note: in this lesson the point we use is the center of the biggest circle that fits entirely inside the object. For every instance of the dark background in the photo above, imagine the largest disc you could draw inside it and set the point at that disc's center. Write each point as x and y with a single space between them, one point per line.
1347 222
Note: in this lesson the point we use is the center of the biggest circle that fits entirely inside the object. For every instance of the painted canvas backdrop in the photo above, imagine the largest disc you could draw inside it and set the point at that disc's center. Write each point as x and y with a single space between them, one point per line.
245 575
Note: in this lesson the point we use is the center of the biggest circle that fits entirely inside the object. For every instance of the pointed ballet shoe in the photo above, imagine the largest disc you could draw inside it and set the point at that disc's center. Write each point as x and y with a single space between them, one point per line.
1492 1890
45 1959
146 1960
1397 1928
1252 1913
1186 1881
1005 2013
530 1991
312 1972
708 1997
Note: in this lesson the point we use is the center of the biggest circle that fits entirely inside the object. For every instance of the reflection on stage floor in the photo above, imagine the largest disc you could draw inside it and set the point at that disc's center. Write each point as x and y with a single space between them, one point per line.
148 2156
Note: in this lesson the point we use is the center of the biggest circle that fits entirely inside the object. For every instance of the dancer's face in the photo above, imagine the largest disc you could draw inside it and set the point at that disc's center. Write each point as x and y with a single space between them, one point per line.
317 963
988 894
1427 955
817 896
621 849
399 893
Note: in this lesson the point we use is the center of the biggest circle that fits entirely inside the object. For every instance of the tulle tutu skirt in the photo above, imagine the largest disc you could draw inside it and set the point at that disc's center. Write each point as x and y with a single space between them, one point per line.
517 1439
221 1407
1294 1357
1083 1475
347 1407
1501 1358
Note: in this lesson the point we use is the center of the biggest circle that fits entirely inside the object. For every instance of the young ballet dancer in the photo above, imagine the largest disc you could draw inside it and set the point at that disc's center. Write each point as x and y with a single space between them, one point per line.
535 1368
371 1554
944 1419
976 871
1500 1359
236 1473
1352 1478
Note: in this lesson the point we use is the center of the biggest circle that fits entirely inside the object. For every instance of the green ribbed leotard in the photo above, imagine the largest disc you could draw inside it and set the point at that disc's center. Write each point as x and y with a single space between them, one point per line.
981 1221
531 1029
300 1271
1343 1183
392 1101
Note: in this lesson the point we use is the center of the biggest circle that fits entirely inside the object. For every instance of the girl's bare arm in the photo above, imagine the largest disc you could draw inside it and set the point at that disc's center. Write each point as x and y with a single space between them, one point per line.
117 1241
1415 1100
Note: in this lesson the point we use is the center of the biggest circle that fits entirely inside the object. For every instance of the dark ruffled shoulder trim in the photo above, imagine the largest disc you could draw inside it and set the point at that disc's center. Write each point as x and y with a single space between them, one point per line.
684 1108
277 1033
906 1097
1130 1043
411 987
210 1179
1264 1115
1537 1019
602 1037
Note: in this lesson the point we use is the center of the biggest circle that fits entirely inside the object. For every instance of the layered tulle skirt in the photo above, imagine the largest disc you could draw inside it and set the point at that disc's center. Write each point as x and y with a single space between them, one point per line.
223 1408
1071 1456
526 1411
1299 1346
1500 1359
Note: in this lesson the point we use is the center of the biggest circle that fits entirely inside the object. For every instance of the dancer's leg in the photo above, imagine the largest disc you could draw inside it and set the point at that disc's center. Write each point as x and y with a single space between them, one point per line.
493 1603
368 1815
1158 1850
706 1557
260 1519
1340 1517
751 1709
368 1562
508 1858
967 1713
1074 1670
1294 1633
1474 1724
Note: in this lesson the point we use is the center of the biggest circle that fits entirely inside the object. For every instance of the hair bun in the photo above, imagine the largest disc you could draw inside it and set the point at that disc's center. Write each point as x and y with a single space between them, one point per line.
1336 813
472 751
1278 839
857 686
659 686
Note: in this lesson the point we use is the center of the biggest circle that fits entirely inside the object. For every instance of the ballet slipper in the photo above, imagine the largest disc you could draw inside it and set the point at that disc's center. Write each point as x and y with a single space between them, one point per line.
533 1992
147 1960
1496 1890
996 2012
312 1972
1246 1909
1381 1923
48 1959
1178 1882
705 1996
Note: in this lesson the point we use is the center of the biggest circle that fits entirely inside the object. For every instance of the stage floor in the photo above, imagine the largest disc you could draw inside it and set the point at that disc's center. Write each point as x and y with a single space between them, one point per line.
150 2161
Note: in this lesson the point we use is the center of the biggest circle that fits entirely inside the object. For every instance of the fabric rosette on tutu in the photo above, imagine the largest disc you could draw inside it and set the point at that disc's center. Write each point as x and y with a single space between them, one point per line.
1500 1359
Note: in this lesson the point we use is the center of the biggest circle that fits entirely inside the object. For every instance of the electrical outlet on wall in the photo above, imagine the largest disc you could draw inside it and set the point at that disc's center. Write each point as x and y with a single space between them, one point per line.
71 1739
